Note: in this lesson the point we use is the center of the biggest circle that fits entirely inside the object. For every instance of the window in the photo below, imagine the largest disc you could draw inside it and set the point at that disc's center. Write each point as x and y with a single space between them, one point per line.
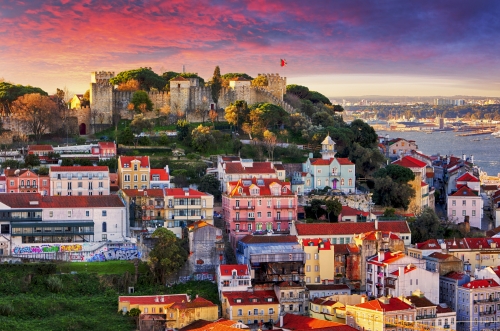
290 307
87 213
268 214
308 279
317 280
135 178
104 213
453 202
256 312
453 213
464 202
308 268
5 228
126 178
316 256
104 237
259 214
316 268
319 171
145 310
69 185
308 256
240 312
135 167
90 185
473 213
463 212
69 213
101 184
271 311
259 202
144 178
51 214
104 227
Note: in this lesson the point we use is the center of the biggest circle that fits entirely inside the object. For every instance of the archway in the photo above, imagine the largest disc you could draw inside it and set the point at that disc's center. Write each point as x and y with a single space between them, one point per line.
83 129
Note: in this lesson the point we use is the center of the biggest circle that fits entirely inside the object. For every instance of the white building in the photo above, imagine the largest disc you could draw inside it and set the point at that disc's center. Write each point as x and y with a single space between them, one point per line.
233 278
466 202
31 220
79 180
159 178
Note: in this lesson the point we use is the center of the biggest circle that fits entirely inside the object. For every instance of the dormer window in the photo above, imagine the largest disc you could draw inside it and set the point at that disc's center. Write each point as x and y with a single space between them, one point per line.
240 190
135 167
237 300
269 299
283 190
255 300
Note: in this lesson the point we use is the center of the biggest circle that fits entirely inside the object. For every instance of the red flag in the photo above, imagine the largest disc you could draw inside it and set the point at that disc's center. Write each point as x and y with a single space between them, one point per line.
283 62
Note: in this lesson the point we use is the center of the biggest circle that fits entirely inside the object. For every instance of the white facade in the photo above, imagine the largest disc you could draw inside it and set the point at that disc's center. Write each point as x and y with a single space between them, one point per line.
409 280
79 181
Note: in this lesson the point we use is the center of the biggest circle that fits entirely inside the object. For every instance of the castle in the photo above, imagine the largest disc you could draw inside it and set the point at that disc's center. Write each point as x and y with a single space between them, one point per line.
184 97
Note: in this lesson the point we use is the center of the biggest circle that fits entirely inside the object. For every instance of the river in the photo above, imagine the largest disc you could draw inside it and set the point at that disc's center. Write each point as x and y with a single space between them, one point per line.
486 152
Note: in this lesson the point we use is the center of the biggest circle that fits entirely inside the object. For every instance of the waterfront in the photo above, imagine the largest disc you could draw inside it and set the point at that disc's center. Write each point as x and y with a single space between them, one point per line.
486 152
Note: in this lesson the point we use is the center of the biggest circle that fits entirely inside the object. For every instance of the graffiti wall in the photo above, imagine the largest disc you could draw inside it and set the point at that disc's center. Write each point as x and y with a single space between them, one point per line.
79 252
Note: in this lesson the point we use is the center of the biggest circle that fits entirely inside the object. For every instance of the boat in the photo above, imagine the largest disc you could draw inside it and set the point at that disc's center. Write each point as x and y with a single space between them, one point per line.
496 134
486 139
477 139
428 133
442 131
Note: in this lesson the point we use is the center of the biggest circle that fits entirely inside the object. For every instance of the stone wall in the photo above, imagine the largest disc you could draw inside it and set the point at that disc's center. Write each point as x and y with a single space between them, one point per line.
101 93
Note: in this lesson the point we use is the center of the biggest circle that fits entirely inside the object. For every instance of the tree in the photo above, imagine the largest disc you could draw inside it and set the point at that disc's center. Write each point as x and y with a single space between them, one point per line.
31 160
10 163
43 171
212 114
167 257
364 134
315 208
140 124
141 102
135 313
260 81
316 97
180 178
146 77
35 112
202 139
299 90
426 226
126 137
10 92
236 113
210 184
216 85
86 99
388 193
270 143
333 207
131 85
396 172
182 127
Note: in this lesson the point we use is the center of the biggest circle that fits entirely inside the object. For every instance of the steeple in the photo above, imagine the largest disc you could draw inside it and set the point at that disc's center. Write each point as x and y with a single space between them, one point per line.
328 148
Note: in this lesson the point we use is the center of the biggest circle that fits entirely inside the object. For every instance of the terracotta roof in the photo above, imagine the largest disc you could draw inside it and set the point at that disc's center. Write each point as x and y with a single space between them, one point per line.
227 269
388 258
465 191
40 148
12 172
423 184
341 249
327 287
343 228
289 284
154 192
106 144
78 168
320 161
440 256
410 162
278 166
151 299
179 79
251 239
344 161
420 302
353 248
196 303
455 275
442 310
467 177
407 269
392 305
179 192
161 172
298 322
256 168
263 184
230 158
349 211
247 298
125 160
480 283
26 200
221 324
316 242
372 235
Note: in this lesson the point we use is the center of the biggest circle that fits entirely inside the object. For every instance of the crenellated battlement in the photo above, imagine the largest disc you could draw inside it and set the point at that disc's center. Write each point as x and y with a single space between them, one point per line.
100 77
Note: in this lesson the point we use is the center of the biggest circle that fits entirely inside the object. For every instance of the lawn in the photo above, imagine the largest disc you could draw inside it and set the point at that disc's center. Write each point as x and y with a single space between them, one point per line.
100 268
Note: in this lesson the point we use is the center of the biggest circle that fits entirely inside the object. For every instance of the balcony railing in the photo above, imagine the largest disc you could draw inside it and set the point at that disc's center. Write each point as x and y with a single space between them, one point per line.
243 207
369 281
487 300
446 326
249 219
281 218
291 299
488 312
284 206
422 317
390 285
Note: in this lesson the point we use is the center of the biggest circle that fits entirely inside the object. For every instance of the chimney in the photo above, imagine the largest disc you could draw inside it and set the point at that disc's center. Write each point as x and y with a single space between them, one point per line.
376 222
380 256
401 271
281 320
363 298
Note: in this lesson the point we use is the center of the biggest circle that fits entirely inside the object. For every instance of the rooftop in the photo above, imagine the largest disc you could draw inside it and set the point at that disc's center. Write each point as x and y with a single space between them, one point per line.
410 162
385 304
343 228
37 201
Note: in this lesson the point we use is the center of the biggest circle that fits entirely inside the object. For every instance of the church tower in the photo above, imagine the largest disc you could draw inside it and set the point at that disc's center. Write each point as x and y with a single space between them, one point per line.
328 148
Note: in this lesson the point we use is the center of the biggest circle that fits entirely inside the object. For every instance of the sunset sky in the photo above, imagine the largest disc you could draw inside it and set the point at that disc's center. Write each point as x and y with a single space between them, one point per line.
338 47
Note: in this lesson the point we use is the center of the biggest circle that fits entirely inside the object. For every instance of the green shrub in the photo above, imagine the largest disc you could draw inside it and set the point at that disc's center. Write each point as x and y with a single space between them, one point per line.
55 284
6 309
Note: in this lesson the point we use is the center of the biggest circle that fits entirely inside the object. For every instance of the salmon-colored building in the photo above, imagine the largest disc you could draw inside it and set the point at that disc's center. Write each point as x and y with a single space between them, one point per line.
26 181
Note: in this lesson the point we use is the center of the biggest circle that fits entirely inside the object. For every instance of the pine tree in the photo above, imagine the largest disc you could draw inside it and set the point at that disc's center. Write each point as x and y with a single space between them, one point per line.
216 85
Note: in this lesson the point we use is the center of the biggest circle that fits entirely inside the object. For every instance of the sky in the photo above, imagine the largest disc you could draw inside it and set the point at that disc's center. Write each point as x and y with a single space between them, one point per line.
337 47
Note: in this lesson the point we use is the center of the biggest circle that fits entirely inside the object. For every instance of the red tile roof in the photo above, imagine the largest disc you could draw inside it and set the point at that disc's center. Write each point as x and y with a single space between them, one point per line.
154 192
221 324
125 160
372 235
247 298
251 239
199 302
106 144
26 200
78 168
480 283
264 189
420 302
407 269
40 148
440 256
227 269
320 161
151 299
327 287
410 162
161 172
316 242
343 228
388 258
348 211
256 168
455 275
443 310
467 177
423 184
378 305
179 79
344 161
179 192
298 322
465 191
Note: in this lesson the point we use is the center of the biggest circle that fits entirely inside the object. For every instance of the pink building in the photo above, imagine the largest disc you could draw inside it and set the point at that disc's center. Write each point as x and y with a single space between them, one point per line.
465 202
26 181
105 150
256 204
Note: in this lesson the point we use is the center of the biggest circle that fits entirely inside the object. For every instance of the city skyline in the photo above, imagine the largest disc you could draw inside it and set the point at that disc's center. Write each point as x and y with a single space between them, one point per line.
338 48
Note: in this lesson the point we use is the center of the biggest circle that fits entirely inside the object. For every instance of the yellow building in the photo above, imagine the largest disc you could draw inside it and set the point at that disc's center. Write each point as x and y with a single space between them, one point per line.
133 172
188 205
327 309
319 264
178 309
76 101
250 307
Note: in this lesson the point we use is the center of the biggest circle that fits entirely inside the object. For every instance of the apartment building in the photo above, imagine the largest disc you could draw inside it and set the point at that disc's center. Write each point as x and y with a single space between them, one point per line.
134 172
319 256
251 307
26 181
233 278
464 204
478 305
79 180
422 189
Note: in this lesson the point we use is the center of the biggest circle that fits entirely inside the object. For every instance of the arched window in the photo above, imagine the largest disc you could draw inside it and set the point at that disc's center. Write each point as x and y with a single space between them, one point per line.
104 227
350 181
342 181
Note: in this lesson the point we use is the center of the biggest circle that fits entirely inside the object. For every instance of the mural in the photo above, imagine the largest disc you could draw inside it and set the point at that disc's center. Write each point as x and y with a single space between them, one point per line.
79 253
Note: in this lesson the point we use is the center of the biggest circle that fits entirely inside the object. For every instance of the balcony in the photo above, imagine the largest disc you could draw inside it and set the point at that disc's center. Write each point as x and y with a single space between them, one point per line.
285 219
290 299
390 285
369 281
250 219
487 300
284 206
446 326
159 206
243 207
423 317
488 312
147 218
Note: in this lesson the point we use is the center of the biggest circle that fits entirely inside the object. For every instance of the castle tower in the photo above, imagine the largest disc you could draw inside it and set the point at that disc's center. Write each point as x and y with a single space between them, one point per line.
101 94
180 92
275 85
328 148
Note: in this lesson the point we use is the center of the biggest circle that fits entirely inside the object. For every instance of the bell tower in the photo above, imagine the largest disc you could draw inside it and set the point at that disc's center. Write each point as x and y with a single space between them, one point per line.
328 148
